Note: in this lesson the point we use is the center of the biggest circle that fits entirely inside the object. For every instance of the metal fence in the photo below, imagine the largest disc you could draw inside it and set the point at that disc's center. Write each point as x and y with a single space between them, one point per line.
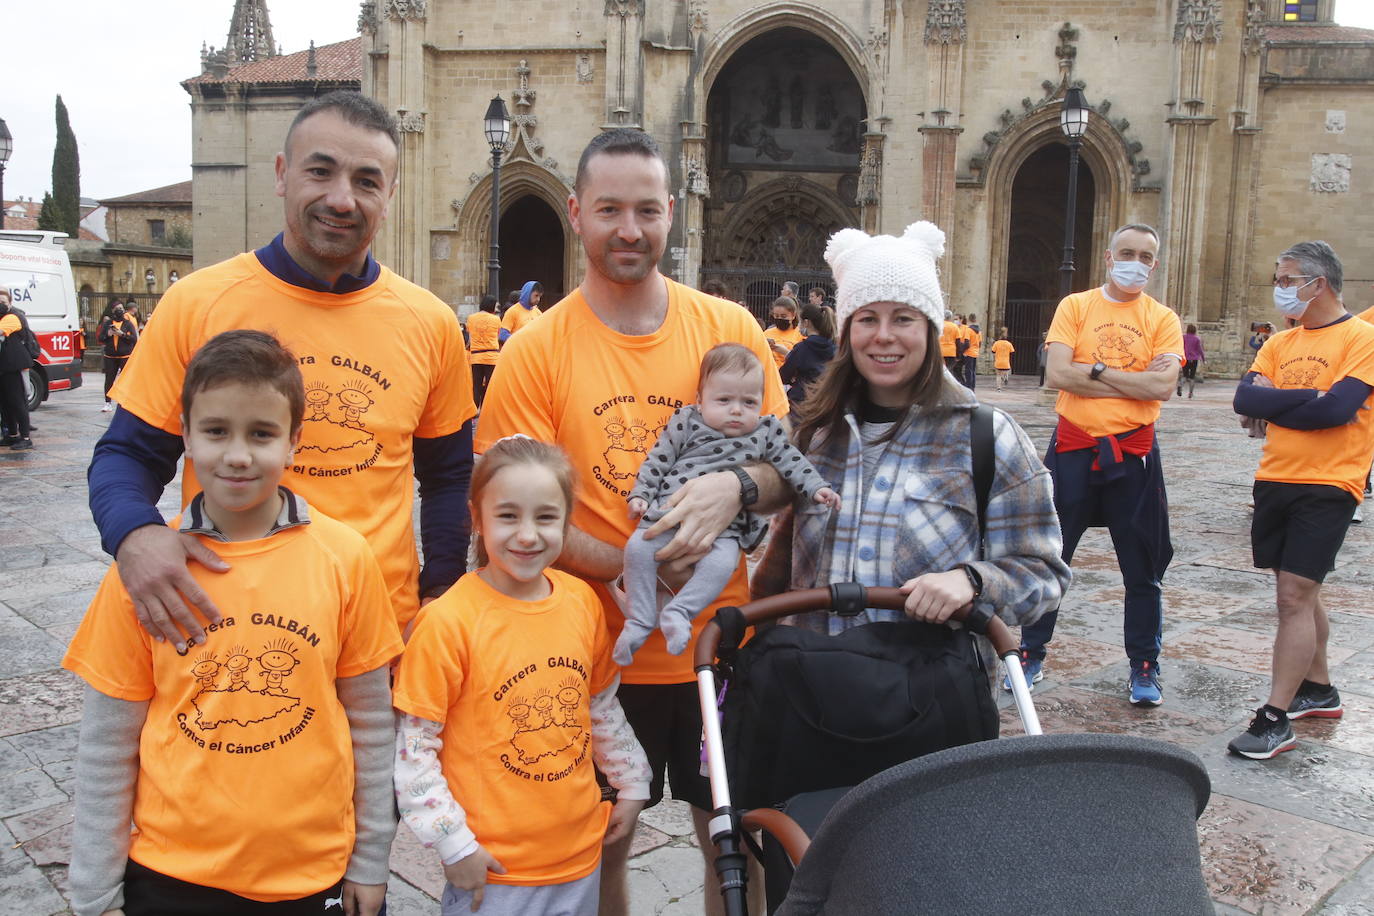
759 287
1026 321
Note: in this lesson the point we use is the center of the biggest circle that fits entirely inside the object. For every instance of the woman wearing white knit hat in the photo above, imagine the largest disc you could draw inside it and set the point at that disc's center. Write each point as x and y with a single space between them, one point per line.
890 428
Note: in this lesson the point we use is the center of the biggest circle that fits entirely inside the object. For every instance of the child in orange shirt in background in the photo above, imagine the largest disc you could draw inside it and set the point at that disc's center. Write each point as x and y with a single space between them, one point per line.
1002 350
257 771
507 695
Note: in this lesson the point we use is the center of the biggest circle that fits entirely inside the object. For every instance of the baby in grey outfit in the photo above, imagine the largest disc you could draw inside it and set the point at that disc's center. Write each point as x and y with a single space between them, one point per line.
721 432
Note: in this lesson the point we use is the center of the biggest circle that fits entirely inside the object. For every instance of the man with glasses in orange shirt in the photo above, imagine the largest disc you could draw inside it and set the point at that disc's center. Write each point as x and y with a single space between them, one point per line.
1314 383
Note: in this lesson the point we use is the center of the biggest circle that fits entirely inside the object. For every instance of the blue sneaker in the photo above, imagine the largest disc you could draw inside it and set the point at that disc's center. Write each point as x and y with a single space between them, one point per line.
1033 670
1144 685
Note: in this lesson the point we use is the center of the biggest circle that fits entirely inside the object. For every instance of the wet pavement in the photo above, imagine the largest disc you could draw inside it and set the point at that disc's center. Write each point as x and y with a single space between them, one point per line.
1287 836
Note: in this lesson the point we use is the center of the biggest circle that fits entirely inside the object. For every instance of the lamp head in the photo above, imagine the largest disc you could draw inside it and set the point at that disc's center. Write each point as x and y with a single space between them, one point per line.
496 124
1073 117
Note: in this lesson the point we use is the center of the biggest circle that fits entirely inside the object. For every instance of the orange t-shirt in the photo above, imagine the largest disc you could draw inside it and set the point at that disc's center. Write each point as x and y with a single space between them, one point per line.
245 758
1001 354
789 339
949 335
484 338
1123 335
604 397
381 366
974 339
512 681
1319 358
517 317
1367 315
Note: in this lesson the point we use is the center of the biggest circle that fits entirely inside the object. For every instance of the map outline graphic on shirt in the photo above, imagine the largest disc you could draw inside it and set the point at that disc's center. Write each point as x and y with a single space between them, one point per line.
239 704
343 408
1114 348
548 725
628 442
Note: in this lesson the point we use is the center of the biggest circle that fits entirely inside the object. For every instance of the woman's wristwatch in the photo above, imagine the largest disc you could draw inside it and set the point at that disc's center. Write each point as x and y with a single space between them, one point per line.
975 580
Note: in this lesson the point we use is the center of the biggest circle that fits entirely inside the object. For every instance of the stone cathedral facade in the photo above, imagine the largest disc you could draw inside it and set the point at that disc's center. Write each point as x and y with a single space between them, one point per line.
1235 127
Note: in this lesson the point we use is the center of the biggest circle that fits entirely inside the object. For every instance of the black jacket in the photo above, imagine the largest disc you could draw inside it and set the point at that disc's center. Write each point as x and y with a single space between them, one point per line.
14 354
117 345
804 364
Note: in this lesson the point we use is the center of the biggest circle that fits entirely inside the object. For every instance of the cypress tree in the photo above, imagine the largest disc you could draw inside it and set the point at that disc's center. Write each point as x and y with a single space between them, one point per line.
47 220
66 176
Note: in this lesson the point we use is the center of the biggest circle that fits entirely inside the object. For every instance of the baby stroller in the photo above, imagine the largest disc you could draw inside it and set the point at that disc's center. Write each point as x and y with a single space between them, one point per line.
911 839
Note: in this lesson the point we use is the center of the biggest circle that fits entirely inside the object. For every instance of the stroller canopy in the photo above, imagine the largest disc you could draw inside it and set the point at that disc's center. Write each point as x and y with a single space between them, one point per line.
1062 824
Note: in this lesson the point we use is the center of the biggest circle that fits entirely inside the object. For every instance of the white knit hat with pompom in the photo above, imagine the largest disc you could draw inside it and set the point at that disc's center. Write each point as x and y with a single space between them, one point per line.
881 268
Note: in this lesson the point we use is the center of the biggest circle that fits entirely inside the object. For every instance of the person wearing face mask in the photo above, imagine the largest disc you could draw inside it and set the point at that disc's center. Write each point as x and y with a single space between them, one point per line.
783 335
1114 354
1314 384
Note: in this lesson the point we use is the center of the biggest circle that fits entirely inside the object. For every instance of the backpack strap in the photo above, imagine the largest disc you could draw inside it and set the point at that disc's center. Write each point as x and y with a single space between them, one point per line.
984 464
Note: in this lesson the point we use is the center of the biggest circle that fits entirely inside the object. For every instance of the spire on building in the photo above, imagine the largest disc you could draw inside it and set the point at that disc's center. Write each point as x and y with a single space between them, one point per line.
250 33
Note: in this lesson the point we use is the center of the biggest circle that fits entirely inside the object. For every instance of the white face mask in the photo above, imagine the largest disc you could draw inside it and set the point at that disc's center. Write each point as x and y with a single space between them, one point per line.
1130 276
1287 301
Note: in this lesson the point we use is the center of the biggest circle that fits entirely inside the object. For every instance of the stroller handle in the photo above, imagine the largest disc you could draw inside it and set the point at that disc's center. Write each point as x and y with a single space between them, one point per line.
854 597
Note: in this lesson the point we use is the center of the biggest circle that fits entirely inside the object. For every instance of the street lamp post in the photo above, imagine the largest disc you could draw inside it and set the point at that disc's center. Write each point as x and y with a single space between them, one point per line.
6 147
1073 121
496 126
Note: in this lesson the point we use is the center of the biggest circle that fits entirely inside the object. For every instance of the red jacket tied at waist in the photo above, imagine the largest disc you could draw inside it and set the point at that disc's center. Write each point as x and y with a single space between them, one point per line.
1138 441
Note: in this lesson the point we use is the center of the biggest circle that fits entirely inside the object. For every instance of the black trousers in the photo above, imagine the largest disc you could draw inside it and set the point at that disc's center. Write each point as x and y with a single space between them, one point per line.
113 366
151 893
481 377
14 406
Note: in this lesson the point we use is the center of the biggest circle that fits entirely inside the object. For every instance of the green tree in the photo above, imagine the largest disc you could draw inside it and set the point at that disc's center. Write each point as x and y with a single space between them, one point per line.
47 219
66 176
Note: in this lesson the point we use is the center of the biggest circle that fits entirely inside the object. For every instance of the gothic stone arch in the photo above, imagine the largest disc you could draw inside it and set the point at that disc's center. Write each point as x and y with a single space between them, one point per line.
768 17
519 178
784 223
1103 150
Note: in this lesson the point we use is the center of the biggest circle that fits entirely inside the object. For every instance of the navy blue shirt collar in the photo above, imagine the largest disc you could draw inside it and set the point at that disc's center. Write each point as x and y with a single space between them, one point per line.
274 257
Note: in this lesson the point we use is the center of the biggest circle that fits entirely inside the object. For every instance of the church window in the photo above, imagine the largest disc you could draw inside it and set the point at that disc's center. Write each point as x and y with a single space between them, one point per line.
1303 11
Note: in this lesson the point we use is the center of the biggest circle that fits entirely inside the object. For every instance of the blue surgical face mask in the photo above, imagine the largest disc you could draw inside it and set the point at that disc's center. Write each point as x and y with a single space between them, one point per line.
1130 276
1287 301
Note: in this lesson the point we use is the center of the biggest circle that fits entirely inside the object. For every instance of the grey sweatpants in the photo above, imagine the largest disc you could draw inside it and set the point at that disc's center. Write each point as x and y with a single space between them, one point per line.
575 898
708 580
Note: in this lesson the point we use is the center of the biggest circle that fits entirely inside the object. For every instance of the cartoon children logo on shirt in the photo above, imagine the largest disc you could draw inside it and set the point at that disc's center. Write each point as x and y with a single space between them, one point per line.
1114 348
339 415
628 441
1300 376
554 726
237 703
549 719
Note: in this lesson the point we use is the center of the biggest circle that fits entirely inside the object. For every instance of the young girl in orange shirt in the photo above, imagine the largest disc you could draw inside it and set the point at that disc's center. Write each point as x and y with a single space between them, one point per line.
507 695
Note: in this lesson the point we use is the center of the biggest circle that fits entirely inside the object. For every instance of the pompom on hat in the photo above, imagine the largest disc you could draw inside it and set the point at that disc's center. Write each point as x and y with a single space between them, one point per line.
882 268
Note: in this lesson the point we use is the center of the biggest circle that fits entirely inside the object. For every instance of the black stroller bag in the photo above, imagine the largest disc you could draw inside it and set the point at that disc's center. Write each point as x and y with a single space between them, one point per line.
807 711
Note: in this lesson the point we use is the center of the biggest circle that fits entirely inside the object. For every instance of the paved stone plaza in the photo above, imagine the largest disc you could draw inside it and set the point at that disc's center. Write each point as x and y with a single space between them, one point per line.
1291 835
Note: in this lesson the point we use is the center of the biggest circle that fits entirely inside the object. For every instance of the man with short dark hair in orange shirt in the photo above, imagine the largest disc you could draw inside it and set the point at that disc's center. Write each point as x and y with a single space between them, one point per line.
383 410
1314 383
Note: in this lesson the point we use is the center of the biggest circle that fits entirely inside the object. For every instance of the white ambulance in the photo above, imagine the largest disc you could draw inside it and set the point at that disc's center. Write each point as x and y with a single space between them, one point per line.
35 269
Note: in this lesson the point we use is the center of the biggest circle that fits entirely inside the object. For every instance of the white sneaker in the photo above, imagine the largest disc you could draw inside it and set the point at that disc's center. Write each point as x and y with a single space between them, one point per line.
106 407
1358 517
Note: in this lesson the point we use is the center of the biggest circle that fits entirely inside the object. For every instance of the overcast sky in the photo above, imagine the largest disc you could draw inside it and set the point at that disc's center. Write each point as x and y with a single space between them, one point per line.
118 67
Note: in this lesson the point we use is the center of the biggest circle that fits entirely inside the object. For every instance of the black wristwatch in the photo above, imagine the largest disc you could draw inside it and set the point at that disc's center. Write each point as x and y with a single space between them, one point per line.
975 580
748 490
1098 369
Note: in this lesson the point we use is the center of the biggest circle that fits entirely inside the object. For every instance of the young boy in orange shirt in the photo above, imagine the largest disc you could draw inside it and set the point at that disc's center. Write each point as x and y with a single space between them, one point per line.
256 771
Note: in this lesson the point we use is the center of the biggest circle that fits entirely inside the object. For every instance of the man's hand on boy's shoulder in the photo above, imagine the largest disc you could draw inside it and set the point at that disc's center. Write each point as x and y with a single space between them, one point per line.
363 899
152 565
